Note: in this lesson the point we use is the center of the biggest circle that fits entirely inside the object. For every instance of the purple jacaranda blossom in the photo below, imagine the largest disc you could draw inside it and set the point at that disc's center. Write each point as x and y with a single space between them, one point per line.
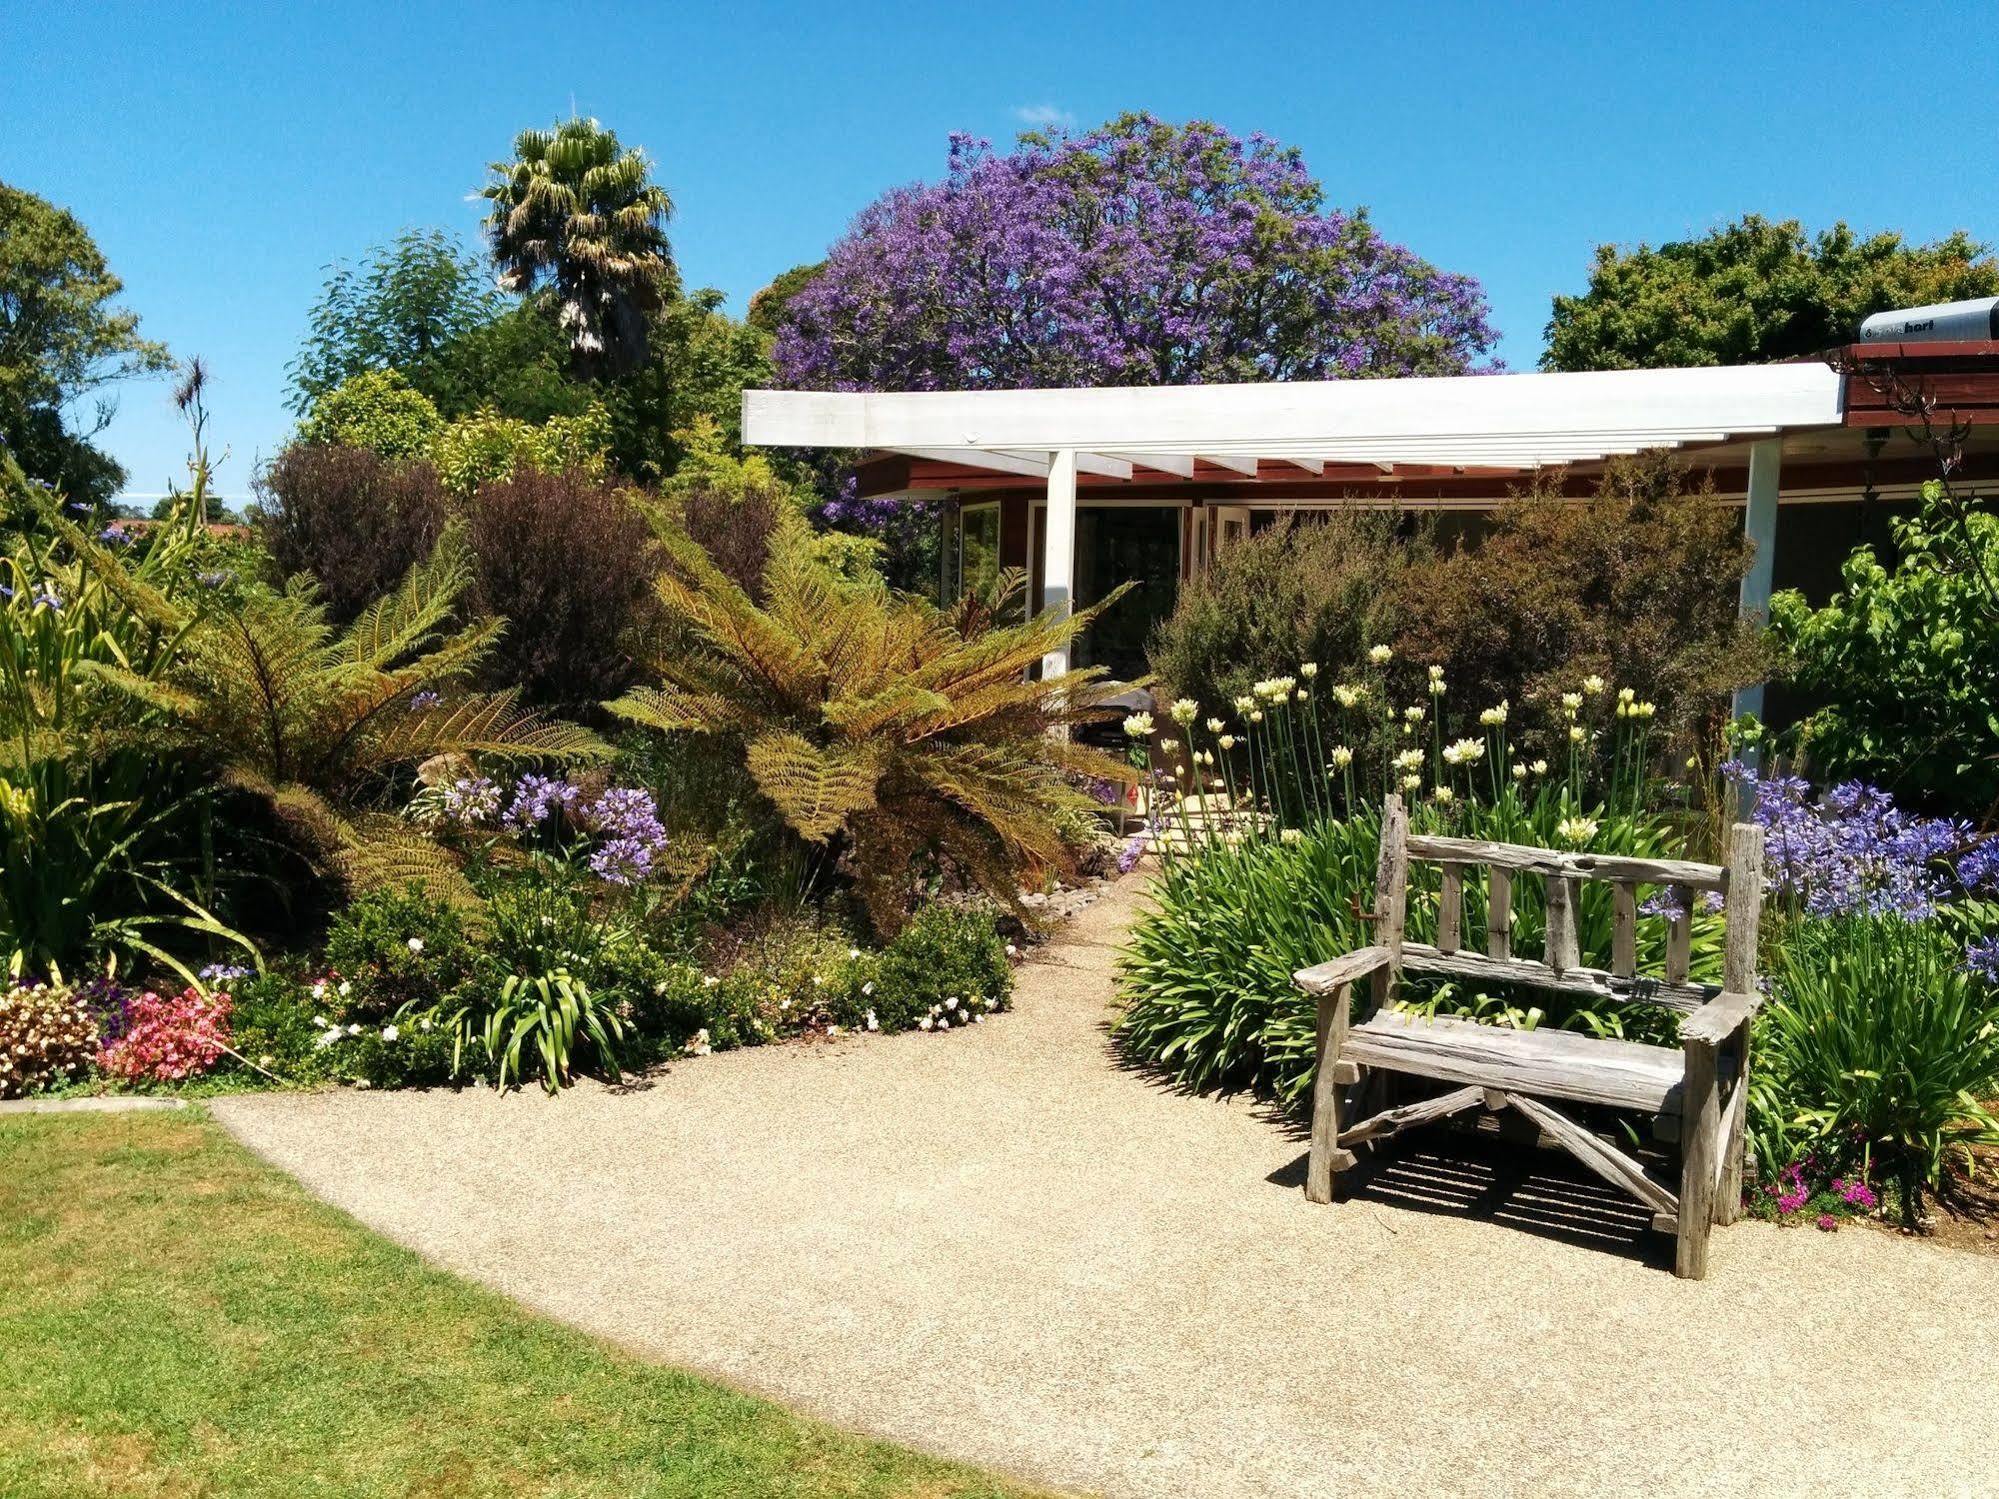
1136 254
627 819
1851 849
536 797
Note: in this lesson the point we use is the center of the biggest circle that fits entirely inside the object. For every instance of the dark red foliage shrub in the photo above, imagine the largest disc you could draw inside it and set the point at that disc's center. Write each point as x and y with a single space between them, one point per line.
734 526
570 561
354 520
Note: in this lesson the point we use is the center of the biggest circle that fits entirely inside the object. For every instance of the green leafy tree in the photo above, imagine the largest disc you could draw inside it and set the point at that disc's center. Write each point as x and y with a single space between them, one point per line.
1902 661
701 361
63 342
378 410
1751 292
422 307
579 214
769 306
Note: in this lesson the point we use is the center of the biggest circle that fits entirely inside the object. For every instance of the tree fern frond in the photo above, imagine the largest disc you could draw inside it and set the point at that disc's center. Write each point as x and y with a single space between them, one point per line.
815 790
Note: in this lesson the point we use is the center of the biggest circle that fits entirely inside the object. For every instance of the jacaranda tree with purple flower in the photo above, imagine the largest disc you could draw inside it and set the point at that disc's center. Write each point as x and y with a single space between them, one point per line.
1140 253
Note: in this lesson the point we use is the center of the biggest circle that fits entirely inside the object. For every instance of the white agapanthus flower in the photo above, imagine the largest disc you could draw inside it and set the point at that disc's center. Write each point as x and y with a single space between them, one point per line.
416 944
1139 726
1572 701
1494 716
1540 767
1575 733
1519 772
1345 695
1308 669
1409 759
1291 835
1411 782
1185 710
1414 712
1593 684
1215 726
1442 795
1379 654
1576 830
1342 757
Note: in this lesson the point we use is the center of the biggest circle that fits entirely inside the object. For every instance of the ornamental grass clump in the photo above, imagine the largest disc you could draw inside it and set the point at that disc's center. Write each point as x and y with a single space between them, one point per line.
1877 1052
48 1037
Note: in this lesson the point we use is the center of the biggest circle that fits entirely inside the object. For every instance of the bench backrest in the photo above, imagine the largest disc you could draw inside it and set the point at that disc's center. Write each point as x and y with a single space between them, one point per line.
1739 883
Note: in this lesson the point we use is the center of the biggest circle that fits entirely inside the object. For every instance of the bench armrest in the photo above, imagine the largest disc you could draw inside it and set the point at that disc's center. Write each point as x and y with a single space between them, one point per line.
1720 1018
1326 977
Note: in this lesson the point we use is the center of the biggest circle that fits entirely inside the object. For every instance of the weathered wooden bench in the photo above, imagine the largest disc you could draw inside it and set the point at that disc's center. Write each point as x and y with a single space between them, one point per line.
1697 1093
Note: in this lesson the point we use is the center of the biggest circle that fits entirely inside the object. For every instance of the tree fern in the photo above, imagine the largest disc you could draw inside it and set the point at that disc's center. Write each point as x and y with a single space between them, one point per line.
318 722
879 725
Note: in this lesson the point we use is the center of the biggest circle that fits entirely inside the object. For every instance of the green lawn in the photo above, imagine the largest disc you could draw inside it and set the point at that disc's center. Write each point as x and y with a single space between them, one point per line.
178 1319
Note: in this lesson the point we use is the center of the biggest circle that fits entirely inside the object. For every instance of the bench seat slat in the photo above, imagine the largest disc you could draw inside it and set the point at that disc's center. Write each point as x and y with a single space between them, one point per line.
1591 982
1544 861
1548 1064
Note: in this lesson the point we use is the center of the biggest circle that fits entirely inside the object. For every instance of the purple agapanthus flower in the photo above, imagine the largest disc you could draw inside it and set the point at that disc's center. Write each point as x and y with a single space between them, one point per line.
471 801
1978 869
1982 958
1131 853
47 598
425 699
536 798
222 973
627 819
1852 849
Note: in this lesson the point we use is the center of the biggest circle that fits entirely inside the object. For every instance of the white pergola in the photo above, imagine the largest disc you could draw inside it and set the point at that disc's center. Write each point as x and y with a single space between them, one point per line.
1508 422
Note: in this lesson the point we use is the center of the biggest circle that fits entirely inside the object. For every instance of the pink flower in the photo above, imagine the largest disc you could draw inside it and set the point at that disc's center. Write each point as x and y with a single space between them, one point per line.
168 1040
1827 1222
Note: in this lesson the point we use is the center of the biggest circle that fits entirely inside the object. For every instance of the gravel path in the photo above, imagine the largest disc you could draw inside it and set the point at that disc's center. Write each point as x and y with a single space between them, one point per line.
999 1246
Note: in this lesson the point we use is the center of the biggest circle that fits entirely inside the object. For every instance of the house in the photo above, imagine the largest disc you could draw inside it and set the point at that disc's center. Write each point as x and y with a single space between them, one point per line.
1088 488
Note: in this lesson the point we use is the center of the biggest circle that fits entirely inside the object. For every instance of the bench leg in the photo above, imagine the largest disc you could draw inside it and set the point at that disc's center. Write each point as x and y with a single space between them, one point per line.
1700 1141
1734 1137
1327 1158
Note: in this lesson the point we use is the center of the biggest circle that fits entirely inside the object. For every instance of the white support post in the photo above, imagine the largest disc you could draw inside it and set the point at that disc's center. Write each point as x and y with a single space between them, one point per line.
1759 523
1058 560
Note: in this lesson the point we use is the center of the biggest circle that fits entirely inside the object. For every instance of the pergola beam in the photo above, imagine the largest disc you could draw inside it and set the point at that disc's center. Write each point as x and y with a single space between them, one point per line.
1304 417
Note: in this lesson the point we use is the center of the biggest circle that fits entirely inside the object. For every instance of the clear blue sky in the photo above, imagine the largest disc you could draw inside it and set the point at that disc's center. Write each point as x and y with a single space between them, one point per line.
223 154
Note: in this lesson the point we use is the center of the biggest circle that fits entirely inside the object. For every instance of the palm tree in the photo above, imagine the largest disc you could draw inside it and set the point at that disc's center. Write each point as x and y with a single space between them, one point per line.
577 212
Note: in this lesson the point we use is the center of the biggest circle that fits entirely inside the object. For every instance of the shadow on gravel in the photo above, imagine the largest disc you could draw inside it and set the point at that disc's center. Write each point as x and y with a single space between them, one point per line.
1478 1175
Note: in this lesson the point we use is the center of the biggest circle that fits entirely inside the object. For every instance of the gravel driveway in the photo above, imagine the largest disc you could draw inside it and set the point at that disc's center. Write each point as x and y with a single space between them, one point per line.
1000 1246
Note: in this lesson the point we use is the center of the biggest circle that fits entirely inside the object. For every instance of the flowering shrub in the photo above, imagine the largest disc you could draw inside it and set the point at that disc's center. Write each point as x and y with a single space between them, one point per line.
394 949
47 1036
169 1039
947 968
